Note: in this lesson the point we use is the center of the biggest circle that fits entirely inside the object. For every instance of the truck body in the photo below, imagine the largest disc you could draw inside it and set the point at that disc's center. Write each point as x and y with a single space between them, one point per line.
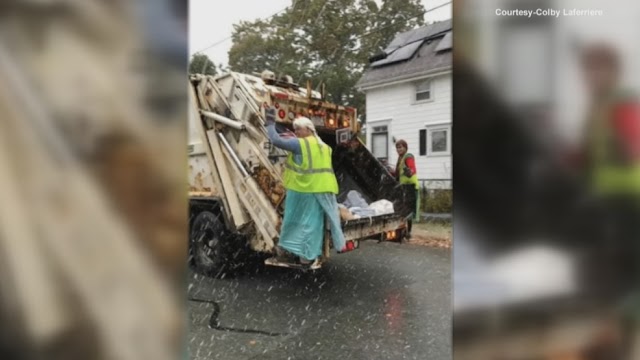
235 174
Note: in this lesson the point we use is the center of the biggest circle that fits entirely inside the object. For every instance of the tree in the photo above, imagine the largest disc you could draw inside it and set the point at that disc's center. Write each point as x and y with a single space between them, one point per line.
201 64
325 41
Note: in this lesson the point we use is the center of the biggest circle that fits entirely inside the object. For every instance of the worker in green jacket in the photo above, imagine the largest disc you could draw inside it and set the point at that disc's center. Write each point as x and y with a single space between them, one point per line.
406 174
611 164
612 155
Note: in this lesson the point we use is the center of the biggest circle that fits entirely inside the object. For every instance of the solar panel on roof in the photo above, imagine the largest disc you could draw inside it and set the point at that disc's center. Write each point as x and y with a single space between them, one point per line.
446 42
418 34
404 45
399 40
403 53
410 36
379 63
389 49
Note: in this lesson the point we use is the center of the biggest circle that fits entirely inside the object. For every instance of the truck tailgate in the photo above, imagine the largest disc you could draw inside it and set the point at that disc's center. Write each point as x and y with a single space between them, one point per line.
357 169
366 227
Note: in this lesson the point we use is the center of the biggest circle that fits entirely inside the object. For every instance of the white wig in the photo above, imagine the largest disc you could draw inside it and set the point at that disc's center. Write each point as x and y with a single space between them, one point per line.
304 122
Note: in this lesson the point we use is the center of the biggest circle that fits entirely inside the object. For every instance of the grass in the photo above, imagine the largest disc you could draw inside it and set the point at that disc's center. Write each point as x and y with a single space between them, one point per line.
437 201
435 229
431 233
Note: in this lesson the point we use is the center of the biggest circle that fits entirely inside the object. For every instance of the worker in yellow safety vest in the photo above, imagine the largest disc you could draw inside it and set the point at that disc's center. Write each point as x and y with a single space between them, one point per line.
314 173
311 194
406 174
610 159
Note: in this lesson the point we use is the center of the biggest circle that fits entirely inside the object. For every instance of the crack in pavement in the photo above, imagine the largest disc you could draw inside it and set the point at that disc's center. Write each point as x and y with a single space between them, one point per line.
214 322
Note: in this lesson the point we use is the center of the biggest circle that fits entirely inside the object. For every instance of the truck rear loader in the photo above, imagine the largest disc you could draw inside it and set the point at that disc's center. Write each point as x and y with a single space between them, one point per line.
236 193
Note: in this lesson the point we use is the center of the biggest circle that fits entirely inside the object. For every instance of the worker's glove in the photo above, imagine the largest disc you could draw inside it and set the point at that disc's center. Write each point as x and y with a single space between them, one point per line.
407 172
270 116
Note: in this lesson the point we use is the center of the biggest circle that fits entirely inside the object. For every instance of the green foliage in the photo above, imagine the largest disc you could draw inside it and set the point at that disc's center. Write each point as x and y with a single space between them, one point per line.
325 41
438 201
201 64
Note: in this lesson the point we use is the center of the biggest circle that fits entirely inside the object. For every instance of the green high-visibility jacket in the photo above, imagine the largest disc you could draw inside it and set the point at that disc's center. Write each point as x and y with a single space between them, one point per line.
315 173
612 170
402 178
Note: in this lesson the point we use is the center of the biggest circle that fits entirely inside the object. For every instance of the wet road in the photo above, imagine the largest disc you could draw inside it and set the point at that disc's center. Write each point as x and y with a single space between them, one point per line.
384 301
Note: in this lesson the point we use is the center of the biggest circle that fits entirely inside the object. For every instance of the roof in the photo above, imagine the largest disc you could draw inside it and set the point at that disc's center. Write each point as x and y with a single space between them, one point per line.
412 53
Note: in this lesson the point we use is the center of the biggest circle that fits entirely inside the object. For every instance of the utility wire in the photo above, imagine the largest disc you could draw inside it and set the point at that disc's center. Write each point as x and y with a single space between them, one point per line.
321 75
415 17
320 13
304 15
385 27
363 35
229 37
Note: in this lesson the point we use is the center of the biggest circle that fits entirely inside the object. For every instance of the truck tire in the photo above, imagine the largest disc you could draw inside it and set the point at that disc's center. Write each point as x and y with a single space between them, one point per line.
208 248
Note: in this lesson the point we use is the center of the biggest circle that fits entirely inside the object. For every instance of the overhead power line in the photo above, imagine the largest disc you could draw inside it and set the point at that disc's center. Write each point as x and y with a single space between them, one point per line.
229 37
303 20
363 35
321 75
415 17
437 7
291 24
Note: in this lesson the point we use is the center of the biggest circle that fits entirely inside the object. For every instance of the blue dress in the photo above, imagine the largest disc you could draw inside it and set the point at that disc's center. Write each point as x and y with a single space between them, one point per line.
302 229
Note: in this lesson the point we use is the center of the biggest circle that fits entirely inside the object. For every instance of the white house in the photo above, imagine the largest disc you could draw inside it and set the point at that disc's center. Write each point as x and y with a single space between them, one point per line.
408 96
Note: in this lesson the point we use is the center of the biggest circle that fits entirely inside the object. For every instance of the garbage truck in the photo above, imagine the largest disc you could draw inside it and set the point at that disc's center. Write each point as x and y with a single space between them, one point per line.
236 192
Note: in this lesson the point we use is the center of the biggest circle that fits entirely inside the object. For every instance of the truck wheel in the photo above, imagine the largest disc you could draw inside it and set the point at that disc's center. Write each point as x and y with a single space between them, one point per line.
208 251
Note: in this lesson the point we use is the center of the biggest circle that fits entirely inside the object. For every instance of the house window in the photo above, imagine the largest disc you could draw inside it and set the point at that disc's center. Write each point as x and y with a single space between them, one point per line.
435 141
380 142
423 90
423 142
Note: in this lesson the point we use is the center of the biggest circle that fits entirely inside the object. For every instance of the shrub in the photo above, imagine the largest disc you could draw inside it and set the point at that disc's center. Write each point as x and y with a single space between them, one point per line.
437 201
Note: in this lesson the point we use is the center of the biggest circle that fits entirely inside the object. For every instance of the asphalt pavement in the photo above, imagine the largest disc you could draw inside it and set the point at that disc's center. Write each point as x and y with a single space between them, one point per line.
383 301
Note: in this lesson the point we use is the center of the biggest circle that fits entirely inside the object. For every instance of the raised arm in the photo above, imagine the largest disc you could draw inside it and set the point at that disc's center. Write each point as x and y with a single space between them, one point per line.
291 144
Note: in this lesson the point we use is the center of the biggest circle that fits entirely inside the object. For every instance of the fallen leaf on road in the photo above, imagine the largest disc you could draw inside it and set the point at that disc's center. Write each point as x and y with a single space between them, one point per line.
430 241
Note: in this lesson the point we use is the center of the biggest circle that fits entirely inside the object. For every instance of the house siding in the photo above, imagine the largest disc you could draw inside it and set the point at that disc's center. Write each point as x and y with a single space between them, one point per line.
396 103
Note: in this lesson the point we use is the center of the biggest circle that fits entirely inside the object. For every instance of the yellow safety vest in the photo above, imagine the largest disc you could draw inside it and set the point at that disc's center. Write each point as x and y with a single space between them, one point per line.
609 174
315 173
400 171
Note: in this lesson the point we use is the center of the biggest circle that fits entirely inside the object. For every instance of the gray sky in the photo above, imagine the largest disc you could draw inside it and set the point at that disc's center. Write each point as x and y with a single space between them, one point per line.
210 22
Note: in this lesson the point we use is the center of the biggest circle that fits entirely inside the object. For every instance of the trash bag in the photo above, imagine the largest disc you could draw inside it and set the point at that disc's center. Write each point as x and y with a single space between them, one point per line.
355 199
360 212
382 207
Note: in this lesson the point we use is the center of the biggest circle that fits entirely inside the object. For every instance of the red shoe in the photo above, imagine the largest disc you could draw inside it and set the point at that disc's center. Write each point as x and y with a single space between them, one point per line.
349 246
